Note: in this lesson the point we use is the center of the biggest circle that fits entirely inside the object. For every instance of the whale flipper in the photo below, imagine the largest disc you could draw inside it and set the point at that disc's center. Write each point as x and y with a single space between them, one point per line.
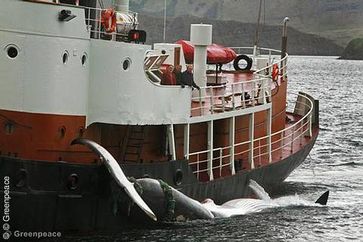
117 173
323 199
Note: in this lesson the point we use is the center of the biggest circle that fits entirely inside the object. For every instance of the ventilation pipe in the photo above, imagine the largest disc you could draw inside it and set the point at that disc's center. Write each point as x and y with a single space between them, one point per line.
121 6
284 48
201 37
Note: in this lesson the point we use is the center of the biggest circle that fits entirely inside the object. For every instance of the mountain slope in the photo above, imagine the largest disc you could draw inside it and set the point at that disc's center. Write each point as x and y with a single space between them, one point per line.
334 19
233 33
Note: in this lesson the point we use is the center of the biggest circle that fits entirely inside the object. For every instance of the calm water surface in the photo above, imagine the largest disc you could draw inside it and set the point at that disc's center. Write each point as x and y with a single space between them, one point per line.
335 164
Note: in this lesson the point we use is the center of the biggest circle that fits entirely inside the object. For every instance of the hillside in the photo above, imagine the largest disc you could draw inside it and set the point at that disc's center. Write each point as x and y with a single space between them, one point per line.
338 20
354 50
233 33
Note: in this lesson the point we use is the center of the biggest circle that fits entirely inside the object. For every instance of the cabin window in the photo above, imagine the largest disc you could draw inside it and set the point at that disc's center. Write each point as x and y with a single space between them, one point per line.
12 51
126 64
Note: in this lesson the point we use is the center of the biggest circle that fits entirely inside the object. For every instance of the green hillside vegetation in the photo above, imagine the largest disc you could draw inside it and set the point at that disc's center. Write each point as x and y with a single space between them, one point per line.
354 50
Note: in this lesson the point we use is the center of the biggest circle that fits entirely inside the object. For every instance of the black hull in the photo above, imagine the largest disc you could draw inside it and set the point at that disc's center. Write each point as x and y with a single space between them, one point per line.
42 197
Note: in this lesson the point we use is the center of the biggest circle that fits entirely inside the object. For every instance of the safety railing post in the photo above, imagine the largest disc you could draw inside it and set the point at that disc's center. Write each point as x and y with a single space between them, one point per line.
282 136
210 150
211 100
292 139
220 161
253 93
251 139
269 131
201 103
198 166
223 103
259 151
186 140
310 126
243 96
233 102
263 89
232 124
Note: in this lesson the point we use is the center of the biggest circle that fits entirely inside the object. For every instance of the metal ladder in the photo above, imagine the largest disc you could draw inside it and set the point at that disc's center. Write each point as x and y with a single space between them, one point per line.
133 143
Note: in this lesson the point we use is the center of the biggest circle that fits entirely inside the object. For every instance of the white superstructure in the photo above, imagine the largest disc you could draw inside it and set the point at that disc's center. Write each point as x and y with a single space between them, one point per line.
59 69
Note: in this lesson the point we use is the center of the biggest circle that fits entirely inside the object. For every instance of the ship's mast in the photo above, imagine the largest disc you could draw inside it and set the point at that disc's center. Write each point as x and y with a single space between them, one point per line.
164 30
257 30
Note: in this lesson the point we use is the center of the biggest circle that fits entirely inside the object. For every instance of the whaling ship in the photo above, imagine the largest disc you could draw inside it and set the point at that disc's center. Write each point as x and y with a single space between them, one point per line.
72 69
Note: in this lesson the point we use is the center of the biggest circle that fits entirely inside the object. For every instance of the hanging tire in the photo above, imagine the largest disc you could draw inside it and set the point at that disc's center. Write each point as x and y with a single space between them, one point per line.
245 58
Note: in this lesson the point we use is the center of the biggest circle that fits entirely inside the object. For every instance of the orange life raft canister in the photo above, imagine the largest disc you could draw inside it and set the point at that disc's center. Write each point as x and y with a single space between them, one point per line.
108 20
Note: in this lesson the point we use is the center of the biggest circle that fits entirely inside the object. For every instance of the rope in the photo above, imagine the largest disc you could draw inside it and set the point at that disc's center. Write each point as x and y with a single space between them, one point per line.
119 198
169 199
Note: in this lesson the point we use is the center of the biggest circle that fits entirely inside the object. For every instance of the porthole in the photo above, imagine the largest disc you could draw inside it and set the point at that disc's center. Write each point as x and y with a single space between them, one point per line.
12 51
65 57
126 64
72 181
84 59
21 178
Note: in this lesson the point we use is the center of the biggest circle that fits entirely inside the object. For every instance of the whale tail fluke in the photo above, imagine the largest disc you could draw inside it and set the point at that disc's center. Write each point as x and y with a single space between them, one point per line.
117 173
323 199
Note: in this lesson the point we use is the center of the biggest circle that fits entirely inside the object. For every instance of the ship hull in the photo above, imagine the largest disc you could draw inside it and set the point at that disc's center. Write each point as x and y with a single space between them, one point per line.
45 198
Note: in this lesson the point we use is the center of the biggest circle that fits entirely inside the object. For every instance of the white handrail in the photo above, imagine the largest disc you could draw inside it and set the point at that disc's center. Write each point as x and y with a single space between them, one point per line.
207 101
285 138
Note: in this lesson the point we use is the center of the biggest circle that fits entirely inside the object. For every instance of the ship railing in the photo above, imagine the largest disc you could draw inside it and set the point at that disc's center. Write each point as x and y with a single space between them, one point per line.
264 149
234 96
222 98
273 56
97 31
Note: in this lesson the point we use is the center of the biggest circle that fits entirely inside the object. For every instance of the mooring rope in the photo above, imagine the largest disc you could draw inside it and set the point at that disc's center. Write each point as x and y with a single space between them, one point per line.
170 201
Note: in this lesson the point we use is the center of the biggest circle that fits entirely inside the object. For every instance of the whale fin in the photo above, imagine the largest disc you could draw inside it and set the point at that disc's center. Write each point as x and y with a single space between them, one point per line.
117 173
323 199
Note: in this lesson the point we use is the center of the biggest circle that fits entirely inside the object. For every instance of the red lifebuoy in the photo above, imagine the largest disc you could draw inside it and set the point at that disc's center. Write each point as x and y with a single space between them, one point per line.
108 20
275 72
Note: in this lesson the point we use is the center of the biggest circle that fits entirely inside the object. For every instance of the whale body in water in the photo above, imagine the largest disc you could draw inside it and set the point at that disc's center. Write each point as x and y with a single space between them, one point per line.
153 199
244 206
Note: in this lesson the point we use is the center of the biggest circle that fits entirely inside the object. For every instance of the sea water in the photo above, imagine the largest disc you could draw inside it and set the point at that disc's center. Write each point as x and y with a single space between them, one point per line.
335 164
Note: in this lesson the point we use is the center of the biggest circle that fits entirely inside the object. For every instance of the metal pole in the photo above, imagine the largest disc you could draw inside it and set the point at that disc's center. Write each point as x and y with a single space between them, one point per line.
269 122
284 48
257 31
210 148
232 124
164 31
251 138
172 141
220 161
186 140
284 38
